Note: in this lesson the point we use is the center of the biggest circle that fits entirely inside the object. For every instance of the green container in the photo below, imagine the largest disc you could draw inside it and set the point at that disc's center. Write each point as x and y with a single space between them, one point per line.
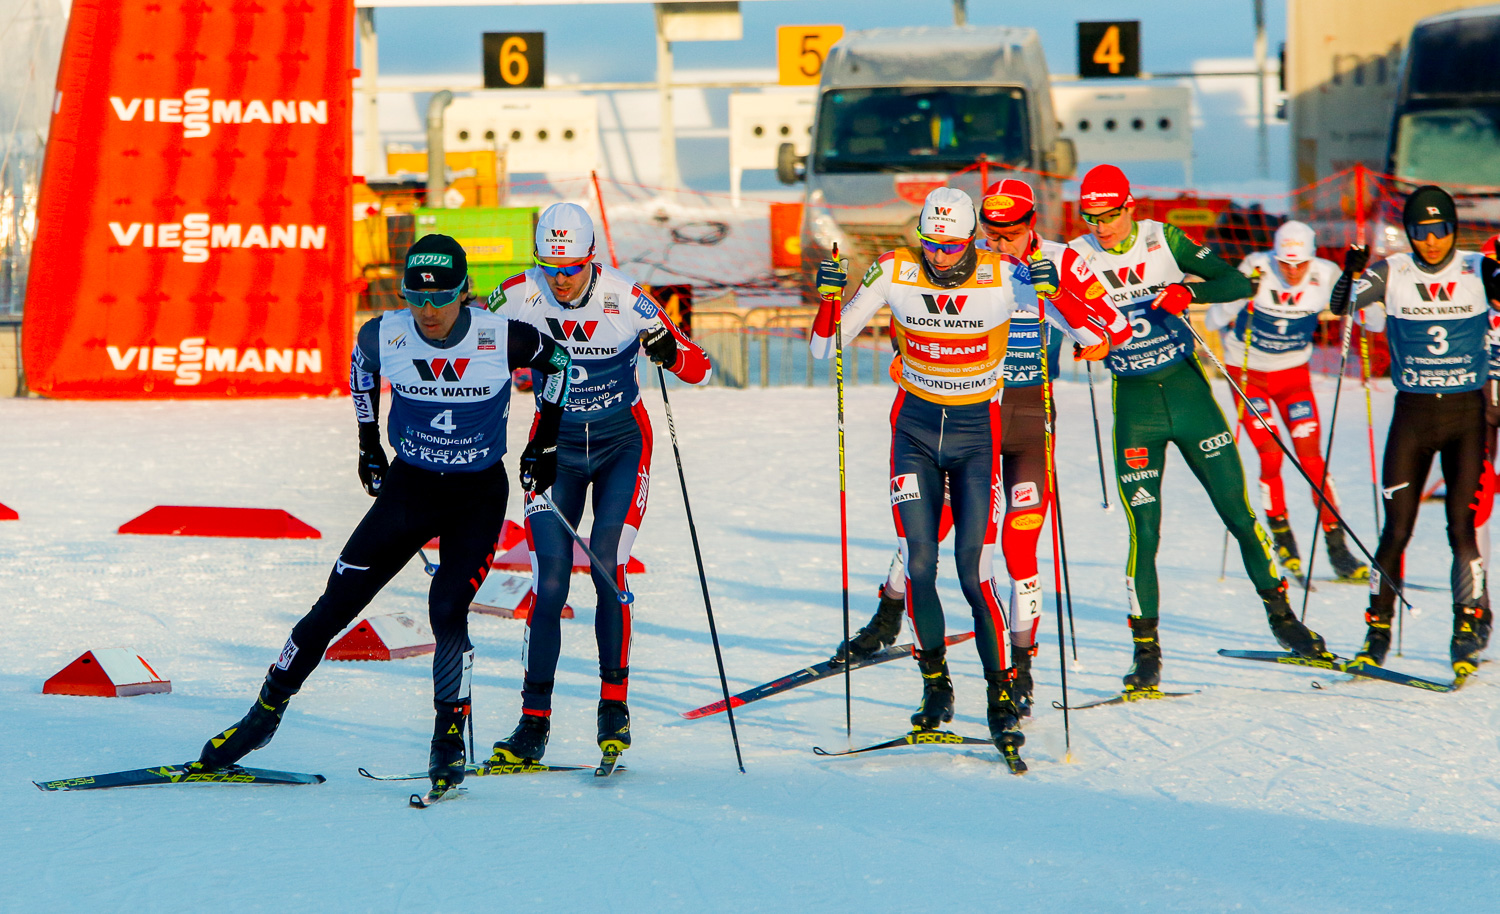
497 240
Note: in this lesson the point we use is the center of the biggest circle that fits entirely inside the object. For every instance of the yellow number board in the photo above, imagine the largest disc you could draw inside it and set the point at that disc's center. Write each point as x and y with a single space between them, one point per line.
801 50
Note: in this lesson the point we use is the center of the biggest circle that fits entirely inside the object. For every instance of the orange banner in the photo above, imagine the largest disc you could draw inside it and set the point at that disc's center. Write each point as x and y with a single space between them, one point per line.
195 212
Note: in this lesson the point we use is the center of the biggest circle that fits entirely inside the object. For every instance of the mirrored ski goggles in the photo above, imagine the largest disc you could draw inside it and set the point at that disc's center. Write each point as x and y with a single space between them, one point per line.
437 298
1108 215
572 269
942 247
1429 230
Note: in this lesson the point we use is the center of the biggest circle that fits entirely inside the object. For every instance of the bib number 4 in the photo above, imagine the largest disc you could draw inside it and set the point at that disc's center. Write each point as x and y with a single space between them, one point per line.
443 421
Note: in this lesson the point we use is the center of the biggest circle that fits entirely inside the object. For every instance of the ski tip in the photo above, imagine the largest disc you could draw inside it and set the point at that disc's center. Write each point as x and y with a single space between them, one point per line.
817 750
319 779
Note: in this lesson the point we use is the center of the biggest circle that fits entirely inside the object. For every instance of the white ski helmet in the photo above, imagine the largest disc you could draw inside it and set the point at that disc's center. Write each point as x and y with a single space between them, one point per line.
565 230
1296 242
947 211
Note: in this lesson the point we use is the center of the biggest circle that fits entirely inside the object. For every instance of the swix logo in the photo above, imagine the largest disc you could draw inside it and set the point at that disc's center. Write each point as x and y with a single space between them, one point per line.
1286 298
195 112
577 331
945 304
1136 457
1126 276
1436 291
195 236
447 369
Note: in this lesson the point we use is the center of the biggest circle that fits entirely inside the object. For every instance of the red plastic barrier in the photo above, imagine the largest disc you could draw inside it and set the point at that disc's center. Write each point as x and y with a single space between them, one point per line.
110 672
256 523
8 513
510 534
519 559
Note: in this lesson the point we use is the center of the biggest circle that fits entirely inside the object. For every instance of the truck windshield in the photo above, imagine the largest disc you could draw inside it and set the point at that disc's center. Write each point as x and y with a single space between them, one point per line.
1459 145
1455 57
920 128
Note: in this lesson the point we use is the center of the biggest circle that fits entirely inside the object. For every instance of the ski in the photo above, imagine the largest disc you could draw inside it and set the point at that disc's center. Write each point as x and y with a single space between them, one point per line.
812 674
481 770
179 774
433 796
1126 698
609 763
914 738
1340 665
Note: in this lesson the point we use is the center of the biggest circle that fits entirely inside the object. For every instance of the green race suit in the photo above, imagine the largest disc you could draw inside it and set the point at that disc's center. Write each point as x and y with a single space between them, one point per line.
1161 395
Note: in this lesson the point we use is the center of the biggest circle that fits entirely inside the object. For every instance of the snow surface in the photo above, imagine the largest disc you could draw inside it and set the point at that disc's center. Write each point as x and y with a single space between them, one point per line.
1259 794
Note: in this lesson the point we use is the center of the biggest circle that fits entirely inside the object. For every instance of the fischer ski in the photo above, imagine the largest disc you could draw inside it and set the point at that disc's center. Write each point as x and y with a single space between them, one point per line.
812 674
179 774
475 770
1125 698
1340 665
435 795
609 763
914 738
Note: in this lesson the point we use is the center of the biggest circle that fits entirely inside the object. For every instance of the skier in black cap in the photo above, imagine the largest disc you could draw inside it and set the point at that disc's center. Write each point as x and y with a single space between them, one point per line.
1434 306
449 365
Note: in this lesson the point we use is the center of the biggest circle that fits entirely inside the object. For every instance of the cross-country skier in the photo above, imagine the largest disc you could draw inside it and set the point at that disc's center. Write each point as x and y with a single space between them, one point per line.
1161 397
951 304
1292 288
1434 306
449 365
604 320
1007 221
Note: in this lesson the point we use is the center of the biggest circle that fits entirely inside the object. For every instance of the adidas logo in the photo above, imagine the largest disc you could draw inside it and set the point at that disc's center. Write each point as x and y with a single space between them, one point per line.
1141 497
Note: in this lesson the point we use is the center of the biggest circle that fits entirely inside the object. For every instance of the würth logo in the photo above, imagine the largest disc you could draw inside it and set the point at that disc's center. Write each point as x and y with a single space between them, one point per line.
577 331
447 369
945 304
1436 291
1126 276
1286 298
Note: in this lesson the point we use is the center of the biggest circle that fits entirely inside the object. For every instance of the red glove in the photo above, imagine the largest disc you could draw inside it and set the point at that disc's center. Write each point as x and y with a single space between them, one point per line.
1094 353
1174 298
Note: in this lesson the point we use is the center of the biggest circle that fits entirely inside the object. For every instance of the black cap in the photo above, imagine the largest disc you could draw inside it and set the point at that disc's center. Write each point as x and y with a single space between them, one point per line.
435 262
1429 203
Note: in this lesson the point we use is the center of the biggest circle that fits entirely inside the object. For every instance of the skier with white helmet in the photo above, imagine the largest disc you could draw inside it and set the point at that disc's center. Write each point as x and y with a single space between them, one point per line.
604 320
1268 337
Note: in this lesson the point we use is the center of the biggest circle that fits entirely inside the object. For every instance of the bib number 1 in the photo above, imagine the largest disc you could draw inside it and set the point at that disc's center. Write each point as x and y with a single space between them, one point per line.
443 421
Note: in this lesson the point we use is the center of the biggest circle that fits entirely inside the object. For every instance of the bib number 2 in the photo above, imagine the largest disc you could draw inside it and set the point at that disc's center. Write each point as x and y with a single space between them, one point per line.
443 421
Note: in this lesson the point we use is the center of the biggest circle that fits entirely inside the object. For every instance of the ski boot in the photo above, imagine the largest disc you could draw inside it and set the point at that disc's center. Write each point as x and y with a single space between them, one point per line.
614 726
881 631
1144 674
1377 638
1289 631
527 743
1023 686
1004 717
937 691
1285 545
253 731
1345 566
445 762
1470 632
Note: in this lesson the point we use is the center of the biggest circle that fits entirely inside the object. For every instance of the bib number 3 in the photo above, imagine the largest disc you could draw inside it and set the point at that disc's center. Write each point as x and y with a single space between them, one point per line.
1439 344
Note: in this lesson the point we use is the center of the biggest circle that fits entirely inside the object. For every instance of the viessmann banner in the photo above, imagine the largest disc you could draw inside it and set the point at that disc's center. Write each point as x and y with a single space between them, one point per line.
194 217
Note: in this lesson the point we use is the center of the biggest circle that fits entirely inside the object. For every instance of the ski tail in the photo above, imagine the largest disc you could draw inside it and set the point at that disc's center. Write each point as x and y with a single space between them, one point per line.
179 774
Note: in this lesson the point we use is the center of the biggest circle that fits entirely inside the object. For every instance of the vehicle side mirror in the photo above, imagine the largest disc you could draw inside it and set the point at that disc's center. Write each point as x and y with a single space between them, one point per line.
790 167
1063 159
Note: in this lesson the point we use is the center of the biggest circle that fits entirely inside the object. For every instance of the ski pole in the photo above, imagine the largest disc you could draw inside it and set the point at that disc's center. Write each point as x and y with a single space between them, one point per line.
1088 368
427 564
624 596
838 373
713 631
1058 561
1364 376
1239 414
1333 420
1290 455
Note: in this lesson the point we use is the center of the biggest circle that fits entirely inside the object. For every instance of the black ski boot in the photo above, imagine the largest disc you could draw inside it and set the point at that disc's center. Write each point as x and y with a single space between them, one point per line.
1003 711
937 691
614 726
252 731
1345 566
881 631
1145 671
445 762
1470 632
1289 631
527 743
1285 544
1377 638
1021 657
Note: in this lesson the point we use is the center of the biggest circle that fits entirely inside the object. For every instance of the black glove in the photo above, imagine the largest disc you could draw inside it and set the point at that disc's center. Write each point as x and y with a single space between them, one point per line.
1044 276
1356 258
660 346
372 460
832 277
538 466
